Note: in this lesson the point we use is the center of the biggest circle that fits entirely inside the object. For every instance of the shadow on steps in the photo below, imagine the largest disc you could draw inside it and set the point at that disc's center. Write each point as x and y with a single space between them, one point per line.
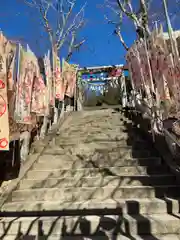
108 227
10 162
143 223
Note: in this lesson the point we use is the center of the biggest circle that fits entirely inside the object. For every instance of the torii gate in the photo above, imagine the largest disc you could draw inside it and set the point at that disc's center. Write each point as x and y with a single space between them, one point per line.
101 87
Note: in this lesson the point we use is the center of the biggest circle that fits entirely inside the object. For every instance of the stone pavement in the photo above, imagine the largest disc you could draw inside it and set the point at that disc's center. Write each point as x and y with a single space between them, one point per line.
96 179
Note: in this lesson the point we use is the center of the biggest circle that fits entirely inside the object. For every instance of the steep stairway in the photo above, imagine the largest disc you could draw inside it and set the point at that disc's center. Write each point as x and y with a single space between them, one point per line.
97 179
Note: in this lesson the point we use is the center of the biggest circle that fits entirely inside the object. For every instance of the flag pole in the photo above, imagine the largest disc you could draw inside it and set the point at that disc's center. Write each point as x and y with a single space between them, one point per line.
170 30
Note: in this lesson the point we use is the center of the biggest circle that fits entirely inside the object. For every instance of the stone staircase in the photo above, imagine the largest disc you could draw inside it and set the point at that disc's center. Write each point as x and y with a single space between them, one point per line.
97 179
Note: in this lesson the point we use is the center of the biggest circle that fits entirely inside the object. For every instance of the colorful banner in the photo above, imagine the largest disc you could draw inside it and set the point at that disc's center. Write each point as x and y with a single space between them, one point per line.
10 61
59 83
163 72
134 67
145 63
39 103
4 115
28 70
49 86
69 75
11 81
25 92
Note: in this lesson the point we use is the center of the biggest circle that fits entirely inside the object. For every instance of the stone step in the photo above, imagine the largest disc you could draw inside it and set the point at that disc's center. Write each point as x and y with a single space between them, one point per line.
114 149
105 142
110 143
98 181
92 172
154 224
127 206
47 162
116 135
96 122
150 237
100 133
138 225
98 129
83 194
88 135
98 237
54 150
102 129
58 237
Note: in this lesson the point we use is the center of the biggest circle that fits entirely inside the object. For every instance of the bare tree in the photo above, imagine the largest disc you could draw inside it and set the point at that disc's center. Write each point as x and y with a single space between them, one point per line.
142 13
157 15
61 22
137 14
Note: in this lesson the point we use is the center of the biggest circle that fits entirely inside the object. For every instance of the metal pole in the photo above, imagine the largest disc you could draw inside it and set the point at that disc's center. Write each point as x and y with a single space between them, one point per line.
170 30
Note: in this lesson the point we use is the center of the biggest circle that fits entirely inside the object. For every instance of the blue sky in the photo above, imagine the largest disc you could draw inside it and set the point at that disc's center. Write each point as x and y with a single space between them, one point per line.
101 48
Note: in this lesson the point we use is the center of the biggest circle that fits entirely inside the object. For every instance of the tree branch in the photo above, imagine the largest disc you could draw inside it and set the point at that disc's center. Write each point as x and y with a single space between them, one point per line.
130 14
75 25
118 33
117 30
65 24
73 47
